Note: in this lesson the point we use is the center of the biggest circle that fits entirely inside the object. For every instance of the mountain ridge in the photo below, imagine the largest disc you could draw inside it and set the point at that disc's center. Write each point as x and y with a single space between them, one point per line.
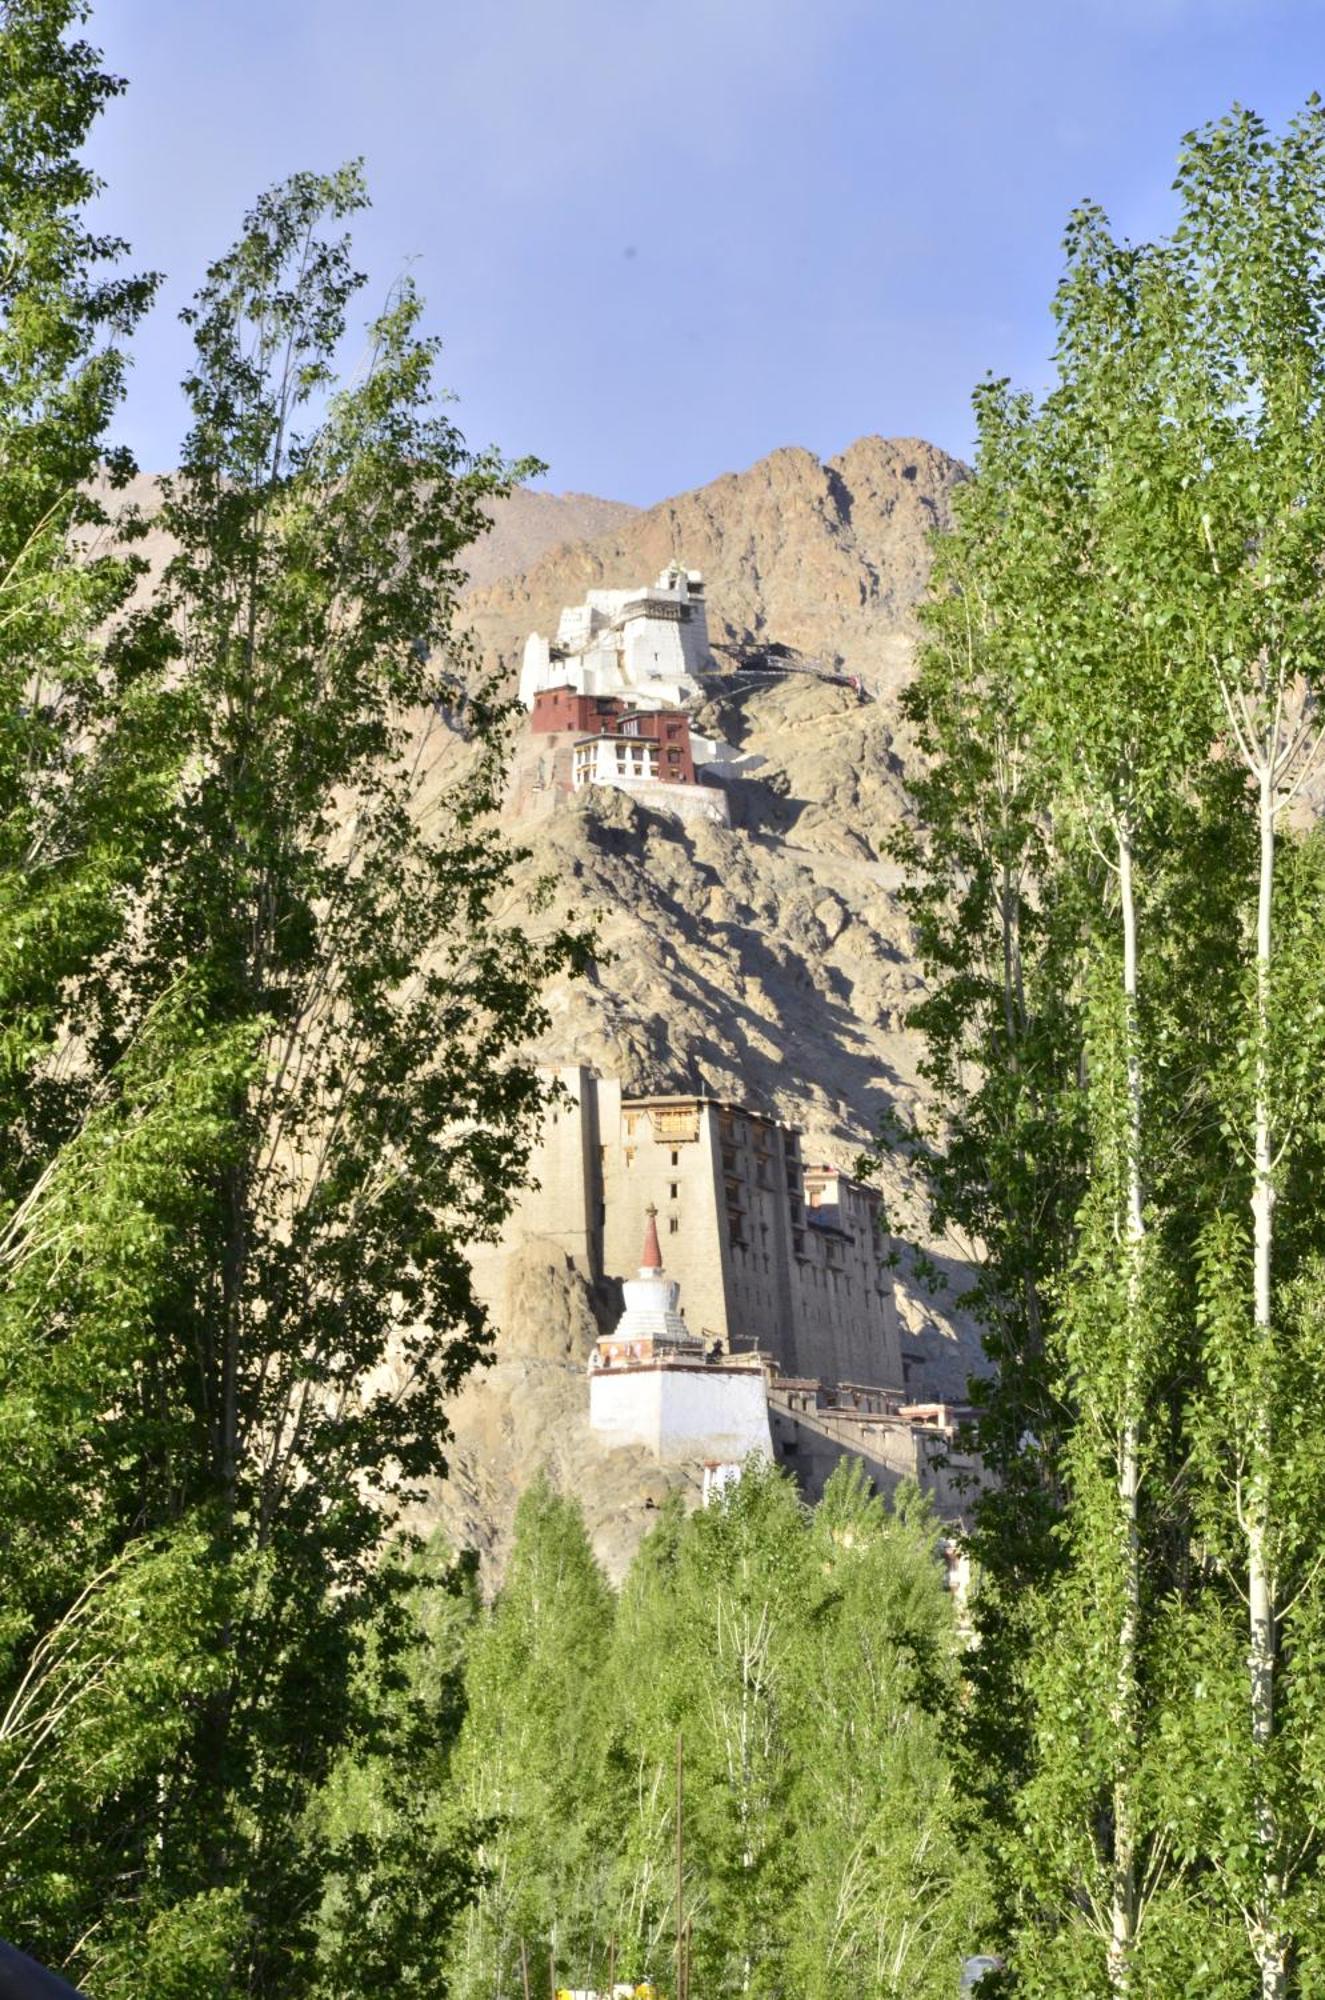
825 557
768 961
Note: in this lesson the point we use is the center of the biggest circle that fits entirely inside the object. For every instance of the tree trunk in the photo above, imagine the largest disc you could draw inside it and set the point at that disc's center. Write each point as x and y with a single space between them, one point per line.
1268 1940
1122 1915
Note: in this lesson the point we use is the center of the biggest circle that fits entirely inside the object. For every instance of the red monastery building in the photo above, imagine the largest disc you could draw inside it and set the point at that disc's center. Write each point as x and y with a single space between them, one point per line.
580 740
593 718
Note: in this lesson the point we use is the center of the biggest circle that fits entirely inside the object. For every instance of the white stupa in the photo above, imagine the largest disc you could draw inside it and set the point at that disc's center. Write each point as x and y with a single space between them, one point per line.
652 1323
652 1384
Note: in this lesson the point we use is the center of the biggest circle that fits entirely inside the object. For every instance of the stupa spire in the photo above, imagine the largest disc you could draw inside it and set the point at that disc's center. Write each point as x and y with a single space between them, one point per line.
651 1262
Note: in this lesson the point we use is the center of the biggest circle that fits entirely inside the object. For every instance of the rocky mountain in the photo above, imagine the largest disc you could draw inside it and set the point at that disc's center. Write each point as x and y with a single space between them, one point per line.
525 526
824 558
768 960
529 522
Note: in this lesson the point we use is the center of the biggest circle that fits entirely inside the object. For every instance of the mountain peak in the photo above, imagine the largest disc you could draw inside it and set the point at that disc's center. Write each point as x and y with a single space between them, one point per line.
826 558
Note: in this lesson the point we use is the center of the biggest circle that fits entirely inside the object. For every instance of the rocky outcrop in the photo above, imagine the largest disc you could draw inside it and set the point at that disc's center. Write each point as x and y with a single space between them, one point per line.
525 1414
768 960
824 558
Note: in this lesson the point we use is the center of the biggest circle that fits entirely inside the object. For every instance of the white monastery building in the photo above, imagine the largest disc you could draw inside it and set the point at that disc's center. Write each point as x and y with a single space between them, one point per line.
649 642
792 1331
628 758
774 1254
651 1383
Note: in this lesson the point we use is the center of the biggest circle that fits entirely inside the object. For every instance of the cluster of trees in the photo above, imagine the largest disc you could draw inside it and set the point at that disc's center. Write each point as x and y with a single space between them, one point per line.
797 1669
260 1086
1120 895
257 1088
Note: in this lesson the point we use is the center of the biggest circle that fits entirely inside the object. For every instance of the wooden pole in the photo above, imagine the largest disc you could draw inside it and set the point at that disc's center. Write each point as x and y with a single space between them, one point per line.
611 1968
552 1972
524 1968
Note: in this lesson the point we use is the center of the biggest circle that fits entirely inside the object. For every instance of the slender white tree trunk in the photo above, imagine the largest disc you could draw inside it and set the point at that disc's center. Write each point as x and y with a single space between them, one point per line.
1269 1942
1122 1937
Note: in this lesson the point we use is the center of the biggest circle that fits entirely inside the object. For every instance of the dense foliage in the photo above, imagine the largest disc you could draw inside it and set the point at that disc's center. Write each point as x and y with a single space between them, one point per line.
260 1084
801 1666
1120 912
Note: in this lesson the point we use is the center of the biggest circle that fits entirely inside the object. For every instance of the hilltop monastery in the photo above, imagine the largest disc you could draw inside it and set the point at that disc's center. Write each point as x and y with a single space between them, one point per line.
771 1326
651 643
608 703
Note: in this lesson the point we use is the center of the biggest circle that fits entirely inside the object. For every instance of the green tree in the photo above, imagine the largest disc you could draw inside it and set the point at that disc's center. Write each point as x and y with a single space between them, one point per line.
1251 388
806 1667
1108 687
529 1765
646 1695
890 1897
242 1285
804 1664
1058 754
71 800
997 911
742 1591
86 762
401 1857
1161 540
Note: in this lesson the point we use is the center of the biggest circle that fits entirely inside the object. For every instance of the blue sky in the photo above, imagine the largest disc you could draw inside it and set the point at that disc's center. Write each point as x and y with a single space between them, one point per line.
661 237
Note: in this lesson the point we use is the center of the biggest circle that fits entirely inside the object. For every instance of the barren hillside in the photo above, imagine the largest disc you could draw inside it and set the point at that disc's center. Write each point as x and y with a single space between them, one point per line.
825 558
531 522
526 526
767 960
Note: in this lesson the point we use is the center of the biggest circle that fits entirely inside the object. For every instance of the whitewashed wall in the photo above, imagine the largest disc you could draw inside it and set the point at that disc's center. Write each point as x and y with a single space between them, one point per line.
682 1413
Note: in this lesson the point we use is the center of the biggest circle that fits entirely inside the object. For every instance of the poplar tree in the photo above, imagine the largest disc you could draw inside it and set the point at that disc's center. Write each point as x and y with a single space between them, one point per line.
1111 697
805 1663
996 913
71 801
1057 752
1165 554
86 762
245 1274
1249 391
890 1896
704 1660
743 1588
402 1857
646 1693
79 765
529 1764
